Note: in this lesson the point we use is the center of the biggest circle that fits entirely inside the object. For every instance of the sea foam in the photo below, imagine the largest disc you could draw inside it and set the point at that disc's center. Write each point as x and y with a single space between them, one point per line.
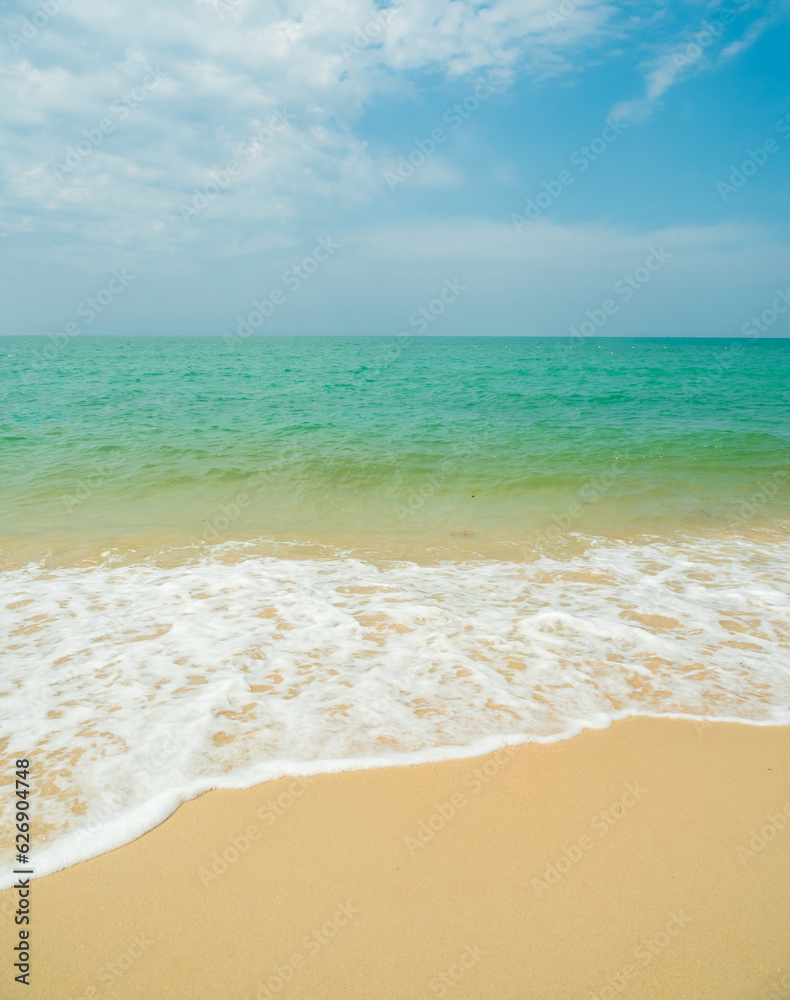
133 688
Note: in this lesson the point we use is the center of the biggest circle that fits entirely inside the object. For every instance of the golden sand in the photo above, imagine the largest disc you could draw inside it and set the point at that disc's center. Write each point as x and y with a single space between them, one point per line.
649 860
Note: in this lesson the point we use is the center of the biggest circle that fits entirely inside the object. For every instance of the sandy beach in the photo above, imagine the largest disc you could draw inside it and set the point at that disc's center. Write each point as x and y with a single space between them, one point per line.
395 501
650 859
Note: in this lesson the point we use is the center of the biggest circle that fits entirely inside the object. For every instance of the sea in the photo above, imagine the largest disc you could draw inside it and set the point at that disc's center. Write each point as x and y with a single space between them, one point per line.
225 560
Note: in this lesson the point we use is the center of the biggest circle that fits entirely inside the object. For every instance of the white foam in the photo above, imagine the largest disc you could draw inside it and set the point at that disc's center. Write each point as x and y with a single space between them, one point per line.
133 688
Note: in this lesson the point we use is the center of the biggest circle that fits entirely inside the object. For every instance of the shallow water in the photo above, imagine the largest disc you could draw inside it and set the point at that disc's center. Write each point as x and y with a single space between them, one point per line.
330 437
225 562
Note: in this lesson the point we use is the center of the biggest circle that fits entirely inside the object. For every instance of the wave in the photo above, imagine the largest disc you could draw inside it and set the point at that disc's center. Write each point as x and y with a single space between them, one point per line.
133 687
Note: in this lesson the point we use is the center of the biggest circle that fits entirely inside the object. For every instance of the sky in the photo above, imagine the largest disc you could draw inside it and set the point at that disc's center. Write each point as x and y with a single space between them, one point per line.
233 168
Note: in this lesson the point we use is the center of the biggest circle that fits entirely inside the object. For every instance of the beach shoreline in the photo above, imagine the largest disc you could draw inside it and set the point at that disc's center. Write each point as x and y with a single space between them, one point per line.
649 857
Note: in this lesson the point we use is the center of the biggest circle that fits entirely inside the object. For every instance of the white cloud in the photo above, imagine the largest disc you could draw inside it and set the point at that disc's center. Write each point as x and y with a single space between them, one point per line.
544 241
703 46
228 66
544 280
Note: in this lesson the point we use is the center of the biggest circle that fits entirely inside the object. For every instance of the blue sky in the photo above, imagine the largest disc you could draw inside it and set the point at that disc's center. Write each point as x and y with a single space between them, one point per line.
202 149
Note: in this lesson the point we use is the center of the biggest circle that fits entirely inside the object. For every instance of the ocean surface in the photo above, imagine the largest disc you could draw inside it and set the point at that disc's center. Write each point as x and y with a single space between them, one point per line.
225 560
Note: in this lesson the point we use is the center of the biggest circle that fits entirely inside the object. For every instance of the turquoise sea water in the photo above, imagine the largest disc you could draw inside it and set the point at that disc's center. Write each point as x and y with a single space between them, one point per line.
386 441
224 562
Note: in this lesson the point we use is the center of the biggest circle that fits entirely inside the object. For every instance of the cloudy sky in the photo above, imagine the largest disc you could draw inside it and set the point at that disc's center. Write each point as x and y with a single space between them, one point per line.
165 166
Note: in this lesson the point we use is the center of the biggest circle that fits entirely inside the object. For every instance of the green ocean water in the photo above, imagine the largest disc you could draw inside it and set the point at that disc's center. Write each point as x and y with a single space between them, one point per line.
444 442
337 552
